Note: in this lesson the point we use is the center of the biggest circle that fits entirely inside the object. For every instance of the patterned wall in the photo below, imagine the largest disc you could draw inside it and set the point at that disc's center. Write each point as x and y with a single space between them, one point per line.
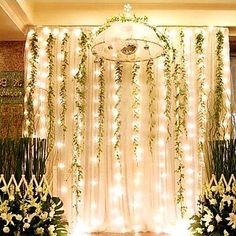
11 88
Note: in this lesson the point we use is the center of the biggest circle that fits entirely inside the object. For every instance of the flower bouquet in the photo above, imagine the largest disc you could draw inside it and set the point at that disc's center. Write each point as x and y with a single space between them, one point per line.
216 211
29 212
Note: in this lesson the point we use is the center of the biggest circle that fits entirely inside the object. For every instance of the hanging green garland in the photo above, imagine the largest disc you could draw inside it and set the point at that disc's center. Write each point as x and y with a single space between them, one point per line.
33 62
51 92
136 107
199 40
219 84
101 107
117 119
80 106
181 87
152 103
62 93
168 62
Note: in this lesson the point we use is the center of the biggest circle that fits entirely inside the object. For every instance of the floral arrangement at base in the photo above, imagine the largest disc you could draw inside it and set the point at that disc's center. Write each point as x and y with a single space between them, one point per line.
30 211
216 210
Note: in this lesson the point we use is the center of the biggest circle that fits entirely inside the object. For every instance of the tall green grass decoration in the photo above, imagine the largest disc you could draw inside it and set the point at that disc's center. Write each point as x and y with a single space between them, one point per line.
221 158
23 156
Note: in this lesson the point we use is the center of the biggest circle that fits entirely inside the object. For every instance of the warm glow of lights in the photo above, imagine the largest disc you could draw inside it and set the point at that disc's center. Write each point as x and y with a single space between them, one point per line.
181 227
61 165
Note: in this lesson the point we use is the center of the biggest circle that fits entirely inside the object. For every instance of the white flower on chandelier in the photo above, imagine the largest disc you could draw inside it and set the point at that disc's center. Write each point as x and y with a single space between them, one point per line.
232 220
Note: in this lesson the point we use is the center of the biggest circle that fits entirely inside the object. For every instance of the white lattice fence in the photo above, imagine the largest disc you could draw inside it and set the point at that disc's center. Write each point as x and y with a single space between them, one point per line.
227 184
23 186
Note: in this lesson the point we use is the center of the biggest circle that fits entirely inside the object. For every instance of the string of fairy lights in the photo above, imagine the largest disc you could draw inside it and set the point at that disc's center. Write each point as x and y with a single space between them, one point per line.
194 168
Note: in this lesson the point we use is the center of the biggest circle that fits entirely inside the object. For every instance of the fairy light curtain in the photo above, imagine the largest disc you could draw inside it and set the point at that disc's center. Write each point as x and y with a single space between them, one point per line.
126 140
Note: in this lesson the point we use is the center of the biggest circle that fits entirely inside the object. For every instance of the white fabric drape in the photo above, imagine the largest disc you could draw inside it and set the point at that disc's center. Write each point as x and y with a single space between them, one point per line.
135 197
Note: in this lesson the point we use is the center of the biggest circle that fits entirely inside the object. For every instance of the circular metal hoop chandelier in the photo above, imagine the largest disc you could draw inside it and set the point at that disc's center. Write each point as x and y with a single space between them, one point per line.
127 40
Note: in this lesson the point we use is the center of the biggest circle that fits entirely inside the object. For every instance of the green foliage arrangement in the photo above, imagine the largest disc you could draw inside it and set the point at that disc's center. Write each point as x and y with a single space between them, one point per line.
216 211
37 213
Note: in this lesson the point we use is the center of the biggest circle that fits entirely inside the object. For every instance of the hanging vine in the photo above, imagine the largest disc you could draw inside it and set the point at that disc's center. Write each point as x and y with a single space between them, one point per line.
33 62
136 109
101 117
51 92
199 40
117 119
219 84
168 61
181 87
80 105
152 101
62 93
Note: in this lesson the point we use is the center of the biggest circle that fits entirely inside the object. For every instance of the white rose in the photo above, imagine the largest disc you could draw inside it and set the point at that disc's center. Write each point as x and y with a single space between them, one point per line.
218 218
210 228
18 217
26 225
51 228
226 233
39 230
6 229
51 213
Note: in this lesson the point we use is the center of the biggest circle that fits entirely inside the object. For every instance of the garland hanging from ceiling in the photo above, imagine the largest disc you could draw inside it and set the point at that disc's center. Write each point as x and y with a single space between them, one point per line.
180 130
136 109
33 64
117 108
101 107
51 92
63 83
80 104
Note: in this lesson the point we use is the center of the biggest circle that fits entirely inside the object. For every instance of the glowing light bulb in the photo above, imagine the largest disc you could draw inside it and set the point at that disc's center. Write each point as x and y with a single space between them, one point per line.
64 189
77 32
46 30
61 165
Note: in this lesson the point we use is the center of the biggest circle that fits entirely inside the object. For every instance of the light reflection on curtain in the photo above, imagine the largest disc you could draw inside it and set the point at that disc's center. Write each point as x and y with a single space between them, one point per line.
135 197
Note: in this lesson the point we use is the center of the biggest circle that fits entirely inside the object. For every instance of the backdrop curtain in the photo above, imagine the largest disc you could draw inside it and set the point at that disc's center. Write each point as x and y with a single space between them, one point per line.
133 195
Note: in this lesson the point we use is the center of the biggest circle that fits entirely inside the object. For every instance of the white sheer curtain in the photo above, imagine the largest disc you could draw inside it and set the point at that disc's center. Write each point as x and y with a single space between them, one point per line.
135 197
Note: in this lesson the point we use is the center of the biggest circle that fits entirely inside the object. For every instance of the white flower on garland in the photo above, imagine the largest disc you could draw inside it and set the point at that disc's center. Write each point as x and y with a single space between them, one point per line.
210 228
6 229
207 218
218 218
232 220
